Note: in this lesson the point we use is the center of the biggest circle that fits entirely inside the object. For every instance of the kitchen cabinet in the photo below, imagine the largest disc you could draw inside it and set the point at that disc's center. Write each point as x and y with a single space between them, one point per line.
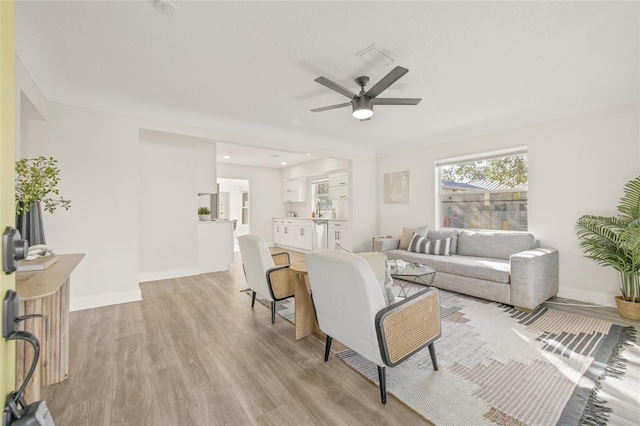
282 232
293 233
339 186
339 193
278 231
303 237
294 191
339 179
340 232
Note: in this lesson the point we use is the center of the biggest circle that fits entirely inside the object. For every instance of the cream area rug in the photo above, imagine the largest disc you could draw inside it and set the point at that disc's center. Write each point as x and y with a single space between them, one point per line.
500 366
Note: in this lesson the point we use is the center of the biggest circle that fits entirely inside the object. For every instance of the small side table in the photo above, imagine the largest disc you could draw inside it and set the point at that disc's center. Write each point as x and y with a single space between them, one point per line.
384 243
305 313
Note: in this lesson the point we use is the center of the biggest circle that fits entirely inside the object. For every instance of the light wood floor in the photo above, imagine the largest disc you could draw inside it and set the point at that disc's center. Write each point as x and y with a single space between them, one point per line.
193 352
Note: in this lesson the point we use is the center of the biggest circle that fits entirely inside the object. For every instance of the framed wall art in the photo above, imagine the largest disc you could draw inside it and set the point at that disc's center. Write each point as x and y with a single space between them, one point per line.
397 187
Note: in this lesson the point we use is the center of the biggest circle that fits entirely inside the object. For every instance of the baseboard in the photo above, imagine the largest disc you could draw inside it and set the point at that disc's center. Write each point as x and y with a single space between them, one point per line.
588 296
105 299
144 277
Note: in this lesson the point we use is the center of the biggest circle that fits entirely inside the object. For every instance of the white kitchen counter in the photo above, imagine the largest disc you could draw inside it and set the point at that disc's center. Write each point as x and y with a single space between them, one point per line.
215 245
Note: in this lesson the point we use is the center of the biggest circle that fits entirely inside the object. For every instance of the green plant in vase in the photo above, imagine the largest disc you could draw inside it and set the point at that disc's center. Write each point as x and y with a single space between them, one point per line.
204 213
614 241
36 187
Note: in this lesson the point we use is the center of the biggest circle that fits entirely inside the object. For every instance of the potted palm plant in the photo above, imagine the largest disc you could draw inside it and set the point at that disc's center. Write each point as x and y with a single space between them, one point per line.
614 241
204 212
36 187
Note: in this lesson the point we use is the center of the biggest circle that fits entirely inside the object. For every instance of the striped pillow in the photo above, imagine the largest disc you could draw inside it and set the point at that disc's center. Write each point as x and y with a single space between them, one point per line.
420 244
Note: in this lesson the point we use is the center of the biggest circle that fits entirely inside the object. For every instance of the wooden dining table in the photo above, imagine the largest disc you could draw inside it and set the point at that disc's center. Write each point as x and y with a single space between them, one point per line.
305 323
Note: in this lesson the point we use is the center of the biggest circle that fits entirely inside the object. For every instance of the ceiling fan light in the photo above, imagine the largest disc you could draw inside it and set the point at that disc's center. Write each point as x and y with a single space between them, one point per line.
362 113
362 107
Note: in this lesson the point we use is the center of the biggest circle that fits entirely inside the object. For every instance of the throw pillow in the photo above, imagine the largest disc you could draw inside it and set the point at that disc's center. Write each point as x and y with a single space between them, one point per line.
407 235
421 244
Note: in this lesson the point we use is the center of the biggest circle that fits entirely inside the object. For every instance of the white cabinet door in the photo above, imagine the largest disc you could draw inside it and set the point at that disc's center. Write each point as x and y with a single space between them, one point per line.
294 190
290 197
339 186
281 232
340 232
276 232
339 193
304 238
288 235
339 179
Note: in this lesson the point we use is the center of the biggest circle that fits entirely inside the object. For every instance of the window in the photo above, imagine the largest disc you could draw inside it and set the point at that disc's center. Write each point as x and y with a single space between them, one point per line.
484 192
245 208
320 197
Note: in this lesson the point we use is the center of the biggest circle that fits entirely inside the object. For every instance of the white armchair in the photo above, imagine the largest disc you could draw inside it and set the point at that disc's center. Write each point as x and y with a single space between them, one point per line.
350 307
267 275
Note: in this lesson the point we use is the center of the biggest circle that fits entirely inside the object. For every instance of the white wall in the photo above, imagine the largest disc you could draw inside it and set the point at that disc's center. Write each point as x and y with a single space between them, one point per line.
363 203
577 165
30 104
99 160
168 204
264 197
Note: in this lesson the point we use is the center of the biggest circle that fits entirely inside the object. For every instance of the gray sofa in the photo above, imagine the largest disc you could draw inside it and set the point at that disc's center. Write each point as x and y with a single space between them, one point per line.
505 267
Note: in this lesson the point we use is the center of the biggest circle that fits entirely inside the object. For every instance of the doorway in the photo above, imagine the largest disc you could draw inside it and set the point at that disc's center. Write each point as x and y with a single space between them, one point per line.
234 205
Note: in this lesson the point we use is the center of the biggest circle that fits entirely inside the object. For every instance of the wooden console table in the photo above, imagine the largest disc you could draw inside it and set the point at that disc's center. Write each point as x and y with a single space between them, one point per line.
45 292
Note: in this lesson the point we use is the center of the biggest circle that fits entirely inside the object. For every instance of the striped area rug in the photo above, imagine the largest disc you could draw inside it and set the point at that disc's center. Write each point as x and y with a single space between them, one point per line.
503 367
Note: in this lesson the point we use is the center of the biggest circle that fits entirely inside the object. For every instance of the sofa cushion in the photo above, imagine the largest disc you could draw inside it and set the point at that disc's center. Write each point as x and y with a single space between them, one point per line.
407 235
483 268
499 245
423 245
440 234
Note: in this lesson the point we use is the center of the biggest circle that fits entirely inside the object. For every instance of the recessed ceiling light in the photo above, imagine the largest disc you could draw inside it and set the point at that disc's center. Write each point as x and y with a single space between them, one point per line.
284 163
226 157
308 155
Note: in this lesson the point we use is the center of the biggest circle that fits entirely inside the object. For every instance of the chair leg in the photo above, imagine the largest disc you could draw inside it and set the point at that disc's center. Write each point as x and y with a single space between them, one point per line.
273 312
432 352
253 298
382 378
327 348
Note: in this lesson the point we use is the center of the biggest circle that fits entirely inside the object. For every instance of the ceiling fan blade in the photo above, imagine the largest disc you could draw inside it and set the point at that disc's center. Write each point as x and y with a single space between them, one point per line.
396 101
327 108
336 87
386 81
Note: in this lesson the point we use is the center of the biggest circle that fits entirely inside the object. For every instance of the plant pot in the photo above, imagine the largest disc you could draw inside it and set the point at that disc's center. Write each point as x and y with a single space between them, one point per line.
628 309
30 225
203 217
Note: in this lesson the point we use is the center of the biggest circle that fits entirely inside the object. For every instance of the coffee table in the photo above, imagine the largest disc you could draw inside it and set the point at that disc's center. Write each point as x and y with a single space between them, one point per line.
406 274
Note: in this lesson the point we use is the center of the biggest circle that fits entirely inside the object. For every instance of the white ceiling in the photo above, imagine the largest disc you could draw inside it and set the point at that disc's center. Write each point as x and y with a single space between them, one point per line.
249 66
259 157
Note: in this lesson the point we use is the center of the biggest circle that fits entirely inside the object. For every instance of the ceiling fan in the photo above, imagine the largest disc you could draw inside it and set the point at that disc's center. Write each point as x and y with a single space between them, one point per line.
363 102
